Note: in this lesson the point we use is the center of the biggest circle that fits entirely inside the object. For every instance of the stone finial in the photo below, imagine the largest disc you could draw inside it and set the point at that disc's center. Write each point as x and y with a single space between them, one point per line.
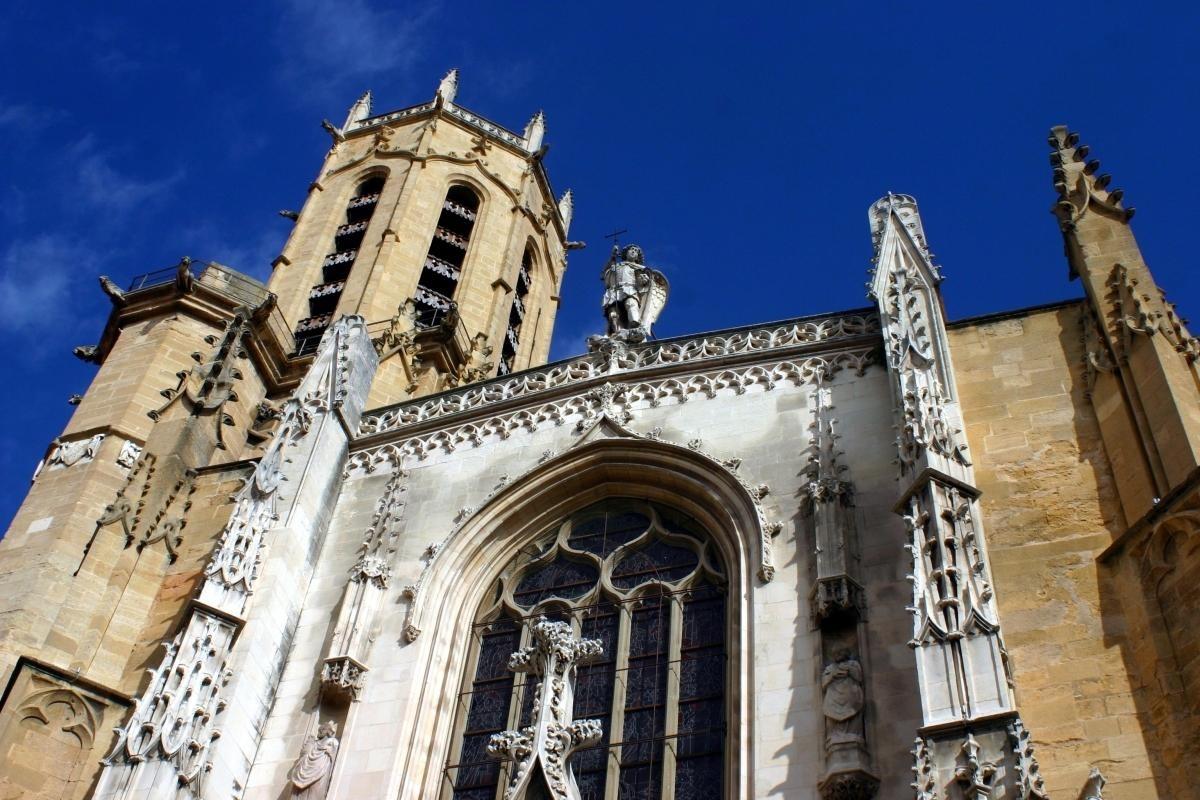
448 88
904 206
360 111
566 209
535 131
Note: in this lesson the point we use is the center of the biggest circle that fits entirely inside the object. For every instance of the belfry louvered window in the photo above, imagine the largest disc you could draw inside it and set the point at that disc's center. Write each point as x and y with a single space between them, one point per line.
647 582
516 314
447 253
335 269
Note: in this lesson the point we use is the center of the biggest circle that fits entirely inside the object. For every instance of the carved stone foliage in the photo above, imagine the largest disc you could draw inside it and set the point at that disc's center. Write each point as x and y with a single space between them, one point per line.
343 674
1097 357
554 735
173 720
952 597
1135 310
924 770
1029 777
650 392
208 386
379 544
150 508
234 563
1079 183
824 471
596 365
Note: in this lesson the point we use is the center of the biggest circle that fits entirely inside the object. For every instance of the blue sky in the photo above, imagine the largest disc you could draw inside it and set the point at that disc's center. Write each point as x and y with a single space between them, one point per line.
740 144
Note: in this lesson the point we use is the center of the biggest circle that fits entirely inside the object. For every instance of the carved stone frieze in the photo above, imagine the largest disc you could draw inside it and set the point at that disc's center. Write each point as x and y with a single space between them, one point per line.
596 365
652 393
553 735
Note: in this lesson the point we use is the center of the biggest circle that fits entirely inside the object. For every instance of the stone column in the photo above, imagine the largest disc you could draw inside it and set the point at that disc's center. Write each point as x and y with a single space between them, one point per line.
195 728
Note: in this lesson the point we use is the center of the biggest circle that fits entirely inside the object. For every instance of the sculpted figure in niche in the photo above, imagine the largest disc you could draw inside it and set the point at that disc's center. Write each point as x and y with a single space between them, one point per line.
842 685
634 294
310 776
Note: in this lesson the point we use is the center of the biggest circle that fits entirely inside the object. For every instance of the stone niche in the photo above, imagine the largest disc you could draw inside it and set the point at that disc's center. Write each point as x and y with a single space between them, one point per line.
53 729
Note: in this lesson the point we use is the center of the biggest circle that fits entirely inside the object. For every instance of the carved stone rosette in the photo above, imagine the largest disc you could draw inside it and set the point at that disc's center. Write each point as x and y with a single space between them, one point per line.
554 735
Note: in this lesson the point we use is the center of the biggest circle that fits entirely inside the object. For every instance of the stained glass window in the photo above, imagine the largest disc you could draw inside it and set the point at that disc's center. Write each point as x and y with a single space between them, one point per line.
647 582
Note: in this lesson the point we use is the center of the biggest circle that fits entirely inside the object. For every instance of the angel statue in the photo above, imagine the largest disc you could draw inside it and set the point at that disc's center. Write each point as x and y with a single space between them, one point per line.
634 294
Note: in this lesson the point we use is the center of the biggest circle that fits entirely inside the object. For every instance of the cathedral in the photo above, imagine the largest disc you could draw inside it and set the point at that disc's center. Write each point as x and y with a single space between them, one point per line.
348 535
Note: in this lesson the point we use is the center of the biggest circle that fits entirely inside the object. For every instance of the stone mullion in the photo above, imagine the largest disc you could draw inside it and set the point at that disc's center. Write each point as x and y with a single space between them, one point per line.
612 783
671 709
463 706
515 701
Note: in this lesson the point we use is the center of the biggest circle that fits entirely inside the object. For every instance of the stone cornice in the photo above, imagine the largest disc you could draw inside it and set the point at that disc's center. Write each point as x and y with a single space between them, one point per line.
652 371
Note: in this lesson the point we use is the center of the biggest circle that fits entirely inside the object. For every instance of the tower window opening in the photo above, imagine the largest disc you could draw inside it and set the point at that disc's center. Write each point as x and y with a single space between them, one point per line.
447 253
323 298
516 314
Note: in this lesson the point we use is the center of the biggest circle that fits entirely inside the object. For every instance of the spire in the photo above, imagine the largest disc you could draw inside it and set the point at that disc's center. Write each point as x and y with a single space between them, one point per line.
1080 184
566 209
360 111
448 88
535 131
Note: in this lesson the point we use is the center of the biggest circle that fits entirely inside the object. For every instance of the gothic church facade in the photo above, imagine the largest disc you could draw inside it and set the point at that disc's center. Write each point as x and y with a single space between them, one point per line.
348 535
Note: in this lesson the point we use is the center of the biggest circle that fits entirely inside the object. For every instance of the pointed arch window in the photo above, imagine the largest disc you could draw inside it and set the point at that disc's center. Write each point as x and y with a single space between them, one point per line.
447 254
516 313
335 269
648 583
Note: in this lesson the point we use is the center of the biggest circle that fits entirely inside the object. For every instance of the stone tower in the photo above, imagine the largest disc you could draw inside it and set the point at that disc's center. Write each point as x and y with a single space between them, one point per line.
440 228
432 226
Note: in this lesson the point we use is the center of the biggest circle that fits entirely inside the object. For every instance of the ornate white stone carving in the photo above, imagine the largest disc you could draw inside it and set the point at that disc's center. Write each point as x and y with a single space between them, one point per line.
595 365
554 735
974 775
952 597
345 662
1030 784
651 392
173 719
924 772
68 454
130 451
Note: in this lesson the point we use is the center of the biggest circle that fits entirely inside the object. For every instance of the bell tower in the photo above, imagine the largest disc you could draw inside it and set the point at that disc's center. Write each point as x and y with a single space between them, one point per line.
440 228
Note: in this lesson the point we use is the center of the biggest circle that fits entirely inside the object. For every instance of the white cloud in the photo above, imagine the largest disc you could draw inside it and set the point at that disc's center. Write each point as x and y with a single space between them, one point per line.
22 117
327 43
99 184
35 279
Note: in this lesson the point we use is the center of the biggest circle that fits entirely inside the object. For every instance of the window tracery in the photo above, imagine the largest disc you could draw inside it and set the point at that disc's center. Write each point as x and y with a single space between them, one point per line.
647 582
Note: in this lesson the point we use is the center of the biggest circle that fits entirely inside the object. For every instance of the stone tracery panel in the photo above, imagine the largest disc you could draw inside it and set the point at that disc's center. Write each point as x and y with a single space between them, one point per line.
646 583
